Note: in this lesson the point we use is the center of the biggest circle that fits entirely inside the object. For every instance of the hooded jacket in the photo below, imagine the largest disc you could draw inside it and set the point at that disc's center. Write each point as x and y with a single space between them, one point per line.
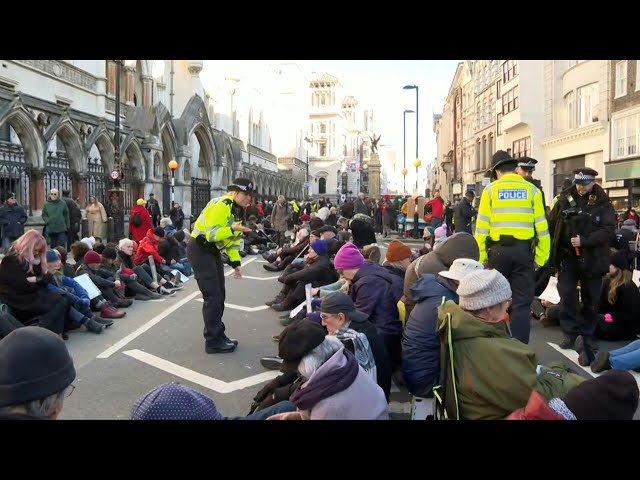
459 245
420 340
138 233
148 246
494 373
376 292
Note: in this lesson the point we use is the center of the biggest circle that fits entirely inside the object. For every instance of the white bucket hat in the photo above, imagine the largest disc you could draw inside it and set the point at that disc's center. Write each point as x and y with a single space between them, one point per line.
460 268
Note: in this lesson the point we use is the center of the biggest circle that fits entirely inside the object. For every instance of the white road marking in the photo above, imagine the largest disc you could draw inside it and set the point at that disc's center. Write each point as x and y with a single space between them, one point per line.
192 376
136 333
241 265
259 278
239 307
573 356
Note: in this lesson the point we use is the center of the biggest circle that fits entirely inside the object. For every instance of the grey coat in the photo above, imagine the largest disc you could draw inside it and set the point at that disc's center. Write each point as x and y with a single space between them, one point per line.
279 217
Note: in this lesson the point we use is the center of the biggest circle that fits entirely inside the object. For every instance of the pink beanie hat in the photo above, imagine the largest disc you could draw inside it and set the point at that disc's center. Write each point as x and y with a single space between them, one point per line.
348 257
441 231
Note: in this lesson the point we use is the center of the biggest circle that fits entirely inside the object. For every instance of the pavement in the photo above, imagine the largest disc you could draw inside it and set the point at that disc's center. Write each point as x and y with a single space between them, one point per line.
162 342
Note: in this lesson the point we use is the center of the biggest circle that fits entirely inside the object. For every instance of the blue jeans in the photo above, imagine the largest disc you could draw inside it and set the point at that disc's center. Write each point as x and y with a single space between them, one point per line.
627 357
280 407
297 261
58 239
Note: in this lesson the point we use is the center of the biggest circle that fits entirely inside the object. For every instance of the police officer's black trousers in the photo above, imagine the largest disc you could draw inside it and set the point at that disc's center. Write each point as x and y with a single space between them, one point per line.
515 262
572 323
209 273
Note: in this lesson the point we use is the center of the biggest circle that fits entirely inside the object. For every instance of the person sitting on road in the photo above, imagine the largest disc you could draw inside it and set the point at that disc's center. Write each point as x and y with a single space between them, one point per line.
106 283
132 285
167 224
361 227
397 259
334 386
173 401
420 340
625 358
494 373
612 396
284 256
36 374
371 253
126 253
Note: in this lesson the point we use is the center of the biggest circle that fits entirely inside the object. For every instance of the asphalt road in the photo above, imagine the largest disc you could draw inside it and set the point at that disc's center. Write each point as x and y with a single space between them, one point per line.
162 342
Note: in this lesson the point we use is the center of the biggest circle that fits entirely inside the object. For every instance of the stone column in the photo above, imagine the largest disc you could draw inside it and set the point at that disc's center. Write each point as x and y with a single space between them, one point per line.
111 78
374 176
129 77
80 189
37 195
147 83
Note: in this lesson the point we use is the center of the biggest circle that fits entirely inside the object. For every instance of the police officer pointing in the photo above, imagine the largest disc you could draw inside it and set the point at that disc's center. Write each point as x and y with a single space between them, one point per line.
582 224
215 230
510 219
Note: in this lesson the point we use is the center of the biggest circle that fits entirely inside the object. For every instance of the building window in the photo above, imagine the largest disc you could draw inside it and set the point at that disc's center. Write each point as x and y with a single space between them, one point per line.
587 104
478 116
499 124
570 105
510 101
509 71
625 138
323 128
498 88
323 149
621 79
478 164
521 148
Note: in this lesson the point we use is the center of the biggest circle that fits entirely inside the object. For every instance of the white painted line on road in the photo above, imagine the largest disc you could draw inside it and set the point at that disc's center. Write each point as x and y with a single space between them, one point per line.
192 376
136 333
239 307
573 356
241 265
259 278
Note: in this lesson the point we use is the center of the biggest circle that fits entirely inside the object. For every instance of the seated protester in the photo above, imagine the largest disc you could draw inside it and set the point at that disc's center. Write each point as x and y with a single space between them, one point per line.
284 256
612 396
359 336
332 219
173 401
547 313
624 235
169 249
149 246
458 245
89 242
315 223
78 251
67 269
494 373
106 283
99 247
376 292
24 276
328 234
371 253
80 311
126 252
625 358
619 308
334 386
167 225
254 238
37 375
440 235
182 245
342 224
420 340
317 271
361 227
8 323
397 259
132 287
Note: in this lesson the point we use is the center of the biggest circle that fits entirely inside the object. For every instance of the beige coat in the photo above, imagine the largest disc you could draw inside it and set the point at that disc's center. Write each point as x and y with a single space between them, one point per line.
97 218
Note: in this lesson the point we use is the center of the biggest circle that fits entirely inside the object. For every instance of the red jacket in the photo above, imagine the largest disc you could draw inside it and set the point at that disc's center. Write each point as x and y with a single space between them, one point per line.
138 233
148 246
437 207
536 409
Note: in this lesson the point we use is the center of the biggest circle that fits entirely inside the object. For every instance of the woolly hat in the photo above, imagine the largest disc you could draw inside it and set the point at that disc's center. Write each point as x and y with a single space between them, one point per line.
92 257
62 251
611 396
483 288
110 253
620 260
397 251
296 341
172 401
320 247
34 364
52 256
348 257
140 201
441 231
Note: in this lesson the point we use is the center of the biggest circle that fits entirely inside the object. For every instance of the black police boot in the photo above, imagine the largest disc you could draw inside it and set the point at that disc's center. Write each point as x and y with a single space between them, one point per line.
219 346
585 354
569 341
230 340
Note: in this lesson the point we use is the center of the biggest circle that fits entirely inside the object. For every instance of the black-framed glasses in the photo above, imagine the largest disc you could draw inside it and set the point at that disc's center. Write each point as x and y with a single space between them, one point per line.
69 390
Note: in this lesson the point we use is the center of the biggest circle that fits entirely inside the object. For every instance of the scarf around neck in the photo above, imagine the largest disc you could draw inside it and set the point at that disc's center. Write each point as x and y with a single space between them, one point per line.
362 350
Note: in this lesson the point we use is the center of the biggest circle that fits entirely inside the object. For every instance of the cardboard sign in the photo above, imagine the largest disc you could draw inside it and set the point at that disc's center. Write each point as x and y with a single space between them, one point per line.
85 282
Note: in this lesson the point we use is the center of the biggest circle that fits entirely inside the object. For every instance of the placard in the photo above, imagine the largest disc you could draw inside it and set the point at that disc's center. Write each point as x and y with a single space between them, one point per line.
85 282
550 293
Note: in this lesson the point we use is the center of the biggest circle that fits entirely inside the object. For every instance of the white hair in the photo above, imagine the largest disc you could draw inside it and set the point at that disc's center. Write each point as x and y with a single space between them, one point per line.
125 242
316 357
165 222
41 408
323 214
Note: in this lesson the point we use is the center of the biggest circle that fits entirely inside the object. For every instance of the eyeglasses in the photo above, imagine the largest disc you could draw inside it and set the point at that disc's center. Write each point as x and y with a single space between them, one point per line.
53 194
69 390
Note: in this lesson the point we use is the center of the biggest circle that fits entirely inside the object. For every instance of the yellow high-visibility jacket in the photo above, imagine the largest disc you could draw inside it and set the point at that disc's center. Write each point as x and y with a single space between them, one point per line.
214 223
513 206
295 206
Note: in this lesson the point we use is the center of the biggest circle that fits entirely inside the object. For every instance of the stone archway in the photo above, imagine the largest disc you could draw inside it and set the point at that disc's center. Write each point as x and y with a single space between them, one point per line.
133 172
65 159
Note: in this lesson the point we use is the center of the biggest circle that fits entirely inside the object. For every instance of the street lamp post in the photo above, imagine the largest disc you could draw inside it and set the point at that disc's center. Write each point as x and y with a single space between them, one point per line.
172 166
404 151
307 195
411 87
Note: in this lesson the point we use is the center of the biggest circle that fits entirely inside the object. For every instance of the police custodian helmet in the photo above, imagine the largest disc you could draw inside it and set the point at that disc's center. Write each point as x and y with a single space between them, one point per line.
241 185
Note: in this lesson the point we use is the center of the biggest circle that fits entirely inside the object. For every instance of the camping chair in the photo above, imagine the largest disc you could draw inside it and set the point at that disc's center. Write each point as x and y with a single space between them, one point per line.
445 392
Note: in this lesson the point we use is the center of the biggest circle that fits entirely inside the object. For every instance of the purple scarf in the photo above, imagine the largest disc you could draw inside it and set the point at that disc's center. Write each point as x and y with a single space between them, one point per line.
327 385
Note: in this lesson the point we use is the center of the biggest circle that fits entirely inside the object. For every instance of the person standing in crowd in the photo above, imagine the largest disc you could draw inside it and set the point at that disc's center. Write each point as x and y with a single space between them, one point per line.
217 230
56 219
582 224
464 213
177 216
139 221
436 208
12 220
448 216
525 168
96 217
75 218
359 206
279 216
153 207
511 226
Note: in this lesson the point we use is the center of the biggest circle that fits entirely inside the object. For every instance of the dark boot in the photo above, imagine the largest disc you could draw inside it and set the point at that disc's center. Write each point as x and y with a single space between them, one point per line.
601 363
585 354
278 299
109 311
271 268
271 363
93 326
286 321
107 322
568 342
269 257
282 307
219 346
229 340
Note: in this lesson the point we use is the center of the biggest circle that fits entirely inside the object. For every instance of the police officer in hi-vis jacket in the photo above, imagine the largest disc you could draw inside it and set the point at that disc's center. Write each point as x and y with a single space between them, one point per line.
513 236
217 230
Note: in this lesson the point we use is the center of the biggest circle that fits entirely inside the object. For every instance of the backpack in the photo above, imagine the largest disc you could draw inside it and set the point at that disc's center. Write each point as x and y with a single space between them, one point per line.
136 220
